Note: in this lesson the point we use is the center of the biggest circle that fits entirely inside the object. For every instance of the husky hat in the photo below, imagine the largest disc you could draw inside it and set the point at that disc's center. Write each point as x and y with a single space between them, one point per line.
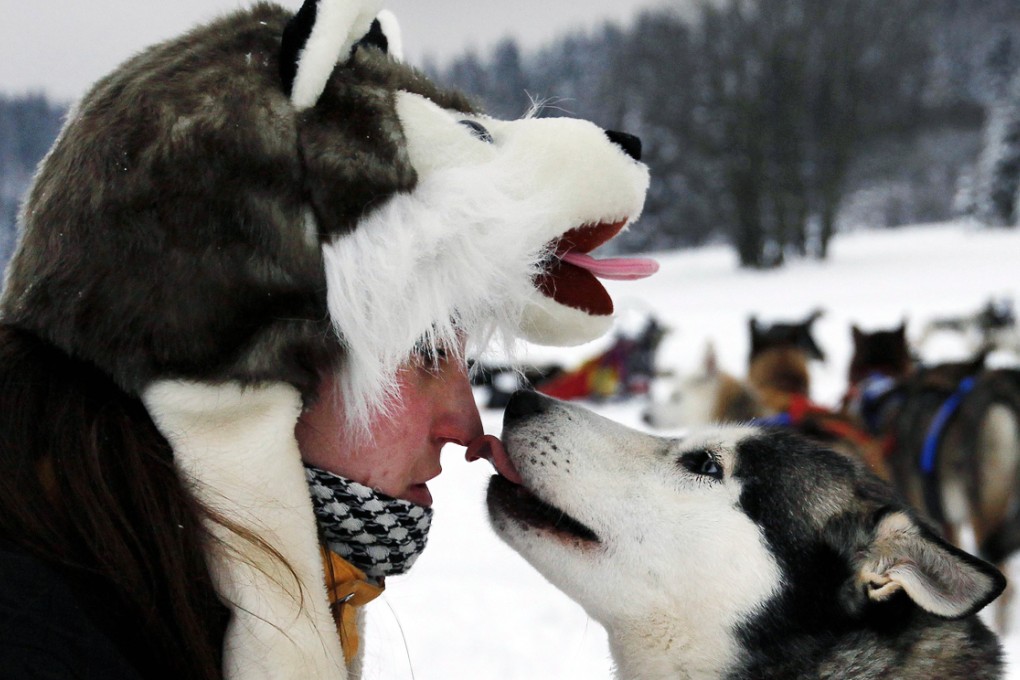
231 210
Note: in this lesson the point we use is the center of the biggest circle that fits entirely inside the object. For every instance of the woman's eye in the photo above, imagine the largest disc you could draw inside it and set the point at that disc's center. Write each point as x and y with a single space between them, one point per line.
478 130
431 356
702 463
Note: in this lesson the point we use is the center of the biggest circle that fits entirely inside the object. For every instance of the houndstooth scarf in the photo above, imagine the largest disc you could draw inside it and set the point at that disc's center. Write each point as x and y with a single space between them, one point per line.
378 534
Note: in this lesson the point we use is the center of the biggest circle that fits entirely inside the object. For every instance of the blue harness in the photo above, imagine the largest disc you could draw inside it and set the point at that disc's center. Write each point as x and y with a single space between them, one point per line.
949 407
874 390
779 420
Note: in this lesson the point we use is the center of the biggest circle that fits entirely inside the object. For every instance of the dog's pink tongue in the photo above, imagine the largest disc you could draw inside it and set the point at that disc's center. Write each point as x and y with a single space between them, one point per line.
491 449
614 268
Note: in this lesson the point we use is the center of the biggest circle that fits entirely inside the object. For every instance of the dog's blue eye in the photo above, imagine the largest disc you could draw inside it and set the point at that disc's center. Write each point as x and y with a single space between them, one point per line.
702 463
478 130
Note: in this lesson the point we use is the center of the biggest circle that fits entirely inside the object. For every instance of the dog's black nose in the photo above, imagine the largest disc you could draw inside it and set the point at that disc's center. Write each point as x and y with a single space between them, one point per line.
629 143
524 403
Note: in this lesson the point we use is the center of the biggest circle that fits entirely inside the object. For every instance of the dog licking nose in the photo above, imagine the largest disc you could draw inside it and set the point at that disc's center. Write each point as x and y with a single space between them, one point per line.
491 449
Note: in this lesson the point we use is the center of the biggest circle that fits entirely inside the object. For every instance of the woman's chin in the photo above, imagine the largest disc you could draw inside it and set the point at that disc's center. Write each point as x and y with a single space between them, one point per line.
418 494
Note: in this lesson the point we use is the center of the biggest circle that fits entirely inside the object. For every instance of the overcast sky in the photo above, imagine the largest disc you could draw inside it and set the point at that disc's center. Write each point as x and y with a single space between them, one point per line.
61 46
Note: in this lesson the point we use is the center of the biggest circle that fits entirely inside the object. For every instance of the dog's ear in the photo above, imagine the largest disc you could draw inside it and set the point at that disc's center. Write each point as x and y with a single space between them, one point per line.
755 331
939 578
857 334
322 34
804 338
976 364
813 349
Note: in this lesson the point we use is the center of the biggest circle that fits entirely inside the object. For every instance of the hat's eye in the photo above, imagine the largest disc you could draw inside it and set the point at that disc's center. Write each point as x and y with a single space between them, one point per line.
478 130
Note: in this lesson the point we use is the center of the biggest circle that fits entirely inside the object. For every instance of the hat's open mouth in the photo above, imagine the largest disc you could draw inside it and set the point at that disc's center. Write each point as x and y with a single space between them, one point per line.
571 276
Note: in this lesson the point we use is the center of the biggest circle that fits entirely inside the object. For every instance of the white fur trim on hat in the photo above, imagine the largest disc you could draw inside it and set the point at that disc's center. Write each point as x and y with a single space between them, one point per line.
236 451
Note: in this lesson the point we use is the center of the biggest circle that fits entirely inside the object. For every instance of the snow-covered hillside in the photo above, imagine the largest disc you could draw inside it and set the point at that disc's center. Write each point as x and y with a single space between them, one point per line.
471 608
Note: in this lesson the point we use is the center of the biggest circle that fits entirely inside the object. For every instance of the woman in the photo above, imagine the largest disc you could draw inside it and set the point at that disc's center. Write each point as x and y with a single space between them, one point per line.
101 568
370 493
228 265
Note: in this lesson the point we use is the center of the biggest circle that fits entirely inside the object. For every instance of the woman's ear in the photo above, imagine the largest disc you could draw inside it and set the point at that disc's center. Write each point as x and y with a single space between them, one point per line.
320 35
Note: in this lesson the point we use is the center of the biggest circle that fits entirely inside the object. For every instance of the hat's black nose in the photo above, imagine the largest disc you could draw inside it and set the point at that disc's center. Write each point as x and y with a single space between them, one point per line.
629 143
525 403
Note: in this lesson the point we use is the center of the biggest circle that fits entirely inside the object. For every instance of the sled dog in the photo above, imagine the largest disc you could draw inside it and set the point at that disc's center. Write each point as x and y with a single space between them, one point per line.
951 435
707 396
736 552
991 328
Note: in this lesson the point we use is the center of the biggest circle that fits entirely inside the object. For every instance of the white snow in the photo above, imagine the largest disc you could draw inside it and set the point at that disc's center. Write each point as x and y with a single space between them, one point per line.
471 608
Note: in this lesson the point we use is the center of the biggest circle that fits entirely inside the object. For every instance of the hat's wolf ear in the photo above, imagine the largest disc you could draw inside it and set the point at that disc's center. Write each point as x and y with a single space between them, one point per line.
321 34
384 35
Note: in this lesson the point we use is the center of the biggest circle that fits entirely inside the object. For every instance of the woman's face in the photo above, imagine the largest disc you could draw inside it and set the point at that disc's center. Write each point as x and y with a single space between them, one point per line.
437 407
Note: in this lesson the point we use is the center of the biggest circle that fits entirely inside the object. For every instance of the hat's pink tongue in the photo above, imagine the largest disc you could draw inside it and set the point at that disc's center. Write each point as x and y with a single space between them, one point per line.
491 449
614 268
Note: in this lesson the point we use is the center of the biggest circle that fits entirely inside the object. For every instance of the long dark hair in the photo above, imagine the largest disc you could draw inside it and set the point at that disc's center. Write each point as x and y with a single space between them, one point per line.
87 483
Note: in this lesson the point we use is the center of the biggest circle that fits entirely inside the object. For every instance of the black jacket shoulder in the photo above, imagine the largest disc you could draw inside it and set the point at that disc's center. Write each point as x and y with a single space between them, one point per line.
45 632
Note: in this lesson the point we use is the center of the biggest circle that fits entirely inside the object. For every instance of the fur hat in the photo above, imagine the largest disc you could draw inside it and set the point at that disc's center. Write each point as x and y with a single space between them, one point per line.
230 210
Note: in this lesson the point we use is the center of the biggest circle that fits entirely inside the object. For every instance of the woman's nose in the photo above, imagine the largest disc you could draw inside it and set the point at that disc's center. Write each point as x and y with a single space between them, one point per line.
461 422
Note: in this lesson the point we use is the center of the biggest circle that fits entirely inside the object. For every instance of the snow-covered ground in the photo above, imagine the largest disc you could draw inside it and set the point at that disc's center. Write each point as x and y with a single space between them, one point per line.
471 608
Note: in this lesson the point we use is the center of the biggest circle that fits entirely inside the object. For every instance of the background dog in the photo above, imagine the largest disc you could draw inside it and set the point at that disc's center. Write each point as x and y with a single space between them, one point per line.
736 552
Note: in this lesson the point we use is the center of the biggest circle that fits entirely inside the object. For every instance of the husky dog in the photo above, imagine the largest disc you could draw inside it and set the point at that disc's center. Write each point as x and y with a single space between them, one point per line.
777 372
953 435
991 328
954 453
777 366
736 552
710 395
784 334
885 352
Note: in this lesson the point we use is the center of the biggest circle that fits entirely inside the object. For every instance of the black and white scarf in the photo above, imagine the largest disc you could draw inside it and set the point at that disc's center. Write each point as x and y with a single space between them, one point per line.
378 534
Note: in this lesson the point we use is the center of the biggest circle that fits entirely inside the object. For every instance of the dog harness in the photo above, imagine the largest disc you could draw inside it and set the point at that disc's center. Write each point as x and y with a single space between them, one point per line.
929 451
802 409
871 399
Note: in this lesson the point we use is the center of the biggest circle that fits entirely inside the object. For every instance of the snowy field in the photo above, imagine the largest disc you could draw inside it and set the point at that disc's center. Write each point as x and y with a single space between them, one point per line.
471 608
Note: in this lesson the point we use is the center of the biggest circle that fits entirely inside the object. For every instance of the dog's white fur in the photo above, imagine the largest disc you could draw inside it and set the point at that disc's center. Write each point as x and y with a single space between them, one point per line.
664 585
